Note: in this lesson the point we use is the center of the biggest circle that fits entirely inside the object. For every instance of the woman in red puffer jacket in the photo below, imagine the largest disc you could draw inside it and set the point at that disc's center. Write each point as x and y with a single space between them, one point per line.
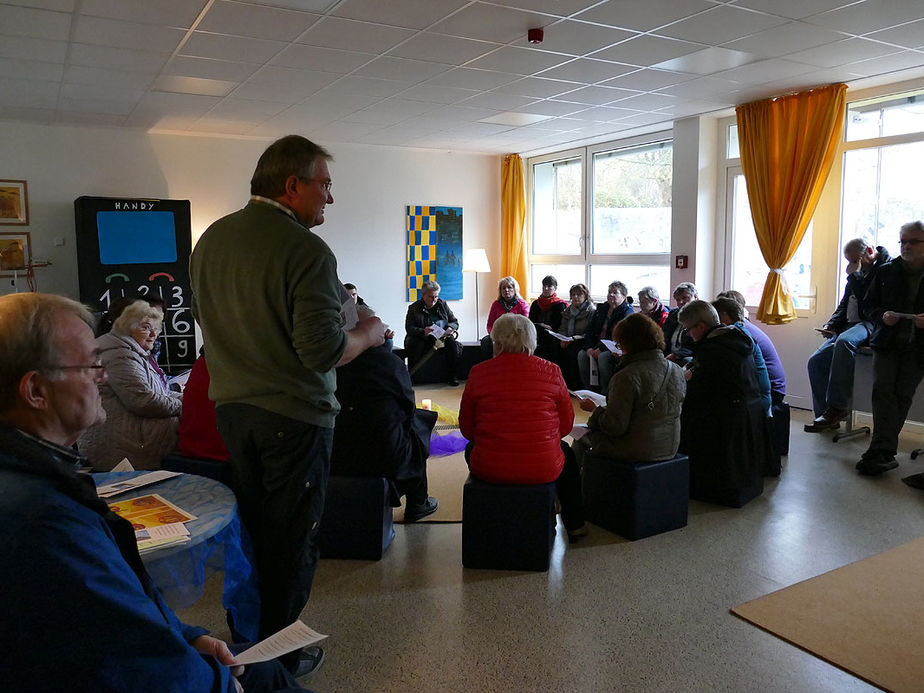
515 411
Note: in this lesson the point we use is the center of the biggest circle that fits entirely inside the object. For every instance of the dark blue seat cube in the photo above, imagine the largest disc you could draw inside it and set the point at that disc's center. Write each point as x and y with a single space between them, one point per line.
357 521
507 527
781 416
213 469
636 499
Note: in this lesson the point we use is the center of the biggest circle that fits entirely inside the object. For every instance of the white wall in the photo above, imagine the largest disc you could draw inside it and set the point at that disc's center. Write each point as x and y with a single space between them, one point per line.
365 227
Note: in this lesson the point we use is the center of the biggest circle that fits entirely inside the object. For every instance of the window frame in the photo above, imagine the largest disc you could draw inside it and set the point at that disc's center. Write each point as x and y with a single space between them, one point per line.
585 257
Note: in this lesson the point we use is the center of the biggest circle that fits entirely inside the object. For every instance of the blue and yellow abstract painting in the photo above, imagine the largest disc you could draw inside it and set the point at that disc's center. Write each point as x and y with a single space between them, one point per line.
434 250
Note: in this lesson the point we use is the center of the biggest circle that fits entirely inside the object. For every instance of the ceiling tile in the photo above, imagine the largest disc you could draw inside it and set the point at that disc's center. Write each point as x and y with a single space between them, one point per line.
437 94
600 114
26 93
587 70
595 96
343 131
32 23
209 68
520 61
401 106
579 38
31 69
720 25
411 14
490 23
248 109
536 87
553 108
466 78
95 105
175 13
841 52
766 71
371 87
78 118
643 16
109 79
318 6
402 69
24 113
646 102
647 50
793 9
28 48
648 80
106 57
54 5
909 35
499 102
255 21
328 59
132 35
442 49
707 61
783 39
284 84
102 92
869 15
561 8
887 63
220 47
347 34
702 88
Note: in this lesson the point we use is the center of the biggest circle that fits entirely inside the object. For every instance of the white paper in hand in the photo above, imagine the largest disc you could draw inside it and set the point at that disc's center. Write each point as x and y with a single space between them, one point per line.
289 638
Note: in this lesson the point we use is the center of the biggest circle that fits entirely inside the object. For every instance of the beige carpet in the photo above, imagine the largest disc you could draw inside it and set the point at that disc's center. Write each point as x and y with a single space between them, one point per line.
446 475
866 618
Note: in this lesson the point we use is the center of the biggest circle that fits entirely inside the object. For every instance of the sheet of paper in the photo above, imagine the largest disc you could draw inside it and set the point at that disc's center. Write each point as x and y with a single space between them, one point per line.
611 345
289 638
437 331
174 529
595 397
561 337
150 511
118 487
905 316
123 466
151 544
578 431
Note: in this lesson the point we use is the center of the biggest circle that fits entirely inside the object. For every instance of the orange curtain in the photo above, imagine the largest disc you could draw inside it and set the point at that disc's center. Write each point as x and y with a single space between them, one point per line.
513 211
787 148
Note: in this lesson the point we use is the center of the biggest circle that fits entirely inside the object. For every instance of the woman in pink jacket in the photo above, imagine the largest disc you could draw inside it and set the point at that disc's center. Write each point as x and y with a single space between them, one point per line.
508 301
515 411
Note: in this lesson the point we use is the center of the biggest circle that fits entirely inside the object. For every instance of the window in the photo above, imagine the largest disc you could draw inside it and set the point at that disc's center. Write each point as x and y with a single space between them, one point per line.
745 264
881 188
602 213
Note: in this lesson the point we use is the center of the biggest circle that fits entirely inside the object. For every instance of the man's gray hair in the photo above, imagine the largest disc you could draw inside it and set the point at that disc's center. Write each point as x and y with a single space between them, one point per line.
650 293
513 334
27 337
428 286
913 226
856 245
686 288
134 314
292 155
698 311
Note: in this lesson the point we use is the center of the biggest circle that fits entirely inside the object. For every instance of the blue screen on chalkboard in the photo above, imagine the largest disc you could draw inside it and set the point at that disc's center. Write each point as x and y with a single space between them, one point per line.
135 238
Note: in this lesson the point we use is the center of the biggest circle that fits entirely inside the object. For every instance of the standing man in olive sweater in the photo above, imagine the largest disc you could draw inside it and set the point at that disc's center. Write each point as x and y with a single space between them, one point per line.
267 297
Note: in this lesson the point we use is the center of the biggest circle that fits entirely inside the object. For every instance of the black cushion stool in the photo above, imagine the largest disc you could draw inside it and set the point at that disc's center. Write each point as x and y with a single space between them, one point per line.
213 469
781 417
506 526
636 499
357 520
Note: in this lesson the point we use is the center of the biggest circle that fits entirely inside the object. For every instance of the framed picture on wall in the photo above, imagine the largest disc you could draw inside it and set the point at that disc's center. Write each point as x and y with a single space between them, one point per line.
14 202
15 253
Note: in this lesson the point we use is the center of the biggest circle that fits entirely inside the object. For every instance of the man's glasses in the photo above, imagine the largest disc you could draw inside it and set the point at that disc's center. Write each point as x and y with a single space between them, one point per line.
326 184
96 368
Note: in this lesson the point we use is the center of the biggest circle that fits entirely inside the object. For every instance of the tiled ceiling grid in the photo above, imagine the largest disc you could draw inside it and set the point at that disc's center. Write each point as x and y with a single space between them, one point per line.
447 74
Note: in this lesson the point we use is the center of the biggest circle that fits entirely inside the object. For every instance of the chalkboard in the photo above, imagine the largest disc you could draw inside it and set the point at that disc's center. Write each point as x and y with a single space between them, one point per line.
128 247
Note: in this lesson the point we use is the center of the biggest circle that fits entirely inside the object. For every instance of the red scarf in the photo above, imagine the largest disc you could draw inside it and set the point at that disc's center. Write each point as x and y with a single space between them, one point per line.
547 303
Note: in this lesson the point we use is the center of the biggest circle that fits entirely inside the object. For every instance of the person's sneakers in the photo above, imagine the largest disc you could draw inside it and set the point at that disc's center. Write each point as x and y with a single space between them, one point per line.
418 512
915 481
575 534
309 661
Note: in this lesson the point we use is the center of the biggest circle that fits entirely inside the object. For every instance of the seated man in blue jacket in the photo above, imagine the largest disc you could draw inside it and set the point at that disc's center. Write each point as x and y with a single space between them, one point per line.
80 610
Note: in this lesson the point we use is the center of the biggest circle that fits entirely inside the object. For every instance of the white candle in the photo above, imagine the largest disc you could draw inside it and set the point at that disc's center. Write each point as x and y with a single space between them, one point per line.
425 404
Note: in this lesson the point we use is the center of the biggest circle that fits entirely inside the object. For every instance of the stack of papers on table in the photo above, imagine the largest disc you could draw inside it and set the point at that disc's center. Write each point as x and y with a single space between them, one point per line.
118 487
157 521
161 537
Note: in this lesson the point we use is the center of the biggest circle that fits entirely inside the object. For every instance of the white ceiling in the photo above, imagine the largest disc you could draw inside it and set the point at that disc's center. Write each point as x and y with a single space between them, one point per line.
448 74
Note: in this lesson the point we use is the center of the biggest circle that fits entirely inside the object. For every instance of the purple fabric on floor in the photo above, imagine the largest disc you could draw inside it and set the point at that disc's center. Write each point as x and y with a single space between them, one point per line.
442 445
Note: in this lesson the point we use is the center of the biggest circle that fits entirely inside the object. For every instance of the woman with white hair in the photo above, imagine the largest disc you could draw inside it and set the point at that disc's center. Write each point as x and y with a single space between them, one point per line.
142 414
515 411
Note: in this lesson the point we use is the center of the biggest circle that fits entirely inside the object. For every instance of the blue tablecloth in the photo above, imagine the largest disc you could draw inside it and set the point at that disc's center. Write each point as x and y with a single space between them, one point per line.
217 542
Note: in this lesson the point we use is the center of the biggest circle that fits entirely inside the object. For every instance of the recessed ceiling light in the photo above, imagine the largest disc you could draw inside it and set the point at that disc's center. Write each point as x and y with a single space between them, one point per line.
515 119
193 85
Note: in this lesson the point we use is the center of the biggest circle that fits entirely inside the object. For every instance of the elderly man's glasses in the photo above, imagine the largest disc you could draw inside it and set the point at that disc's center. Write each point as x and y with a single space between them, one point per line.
326 184
96 368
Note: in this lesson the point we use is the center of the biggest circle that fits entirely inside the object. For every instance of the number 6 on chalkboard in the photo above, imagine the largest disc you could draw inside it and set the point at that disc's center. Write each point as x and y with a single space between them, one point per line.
180 325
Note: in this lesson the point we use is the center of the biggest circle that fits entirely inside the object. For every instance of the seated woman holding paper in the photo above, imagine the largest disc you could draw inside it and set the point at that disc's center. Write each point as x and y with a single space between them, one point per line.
596 361
429 326
514 412
508 301
142 414
575 319
545 313
641 420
